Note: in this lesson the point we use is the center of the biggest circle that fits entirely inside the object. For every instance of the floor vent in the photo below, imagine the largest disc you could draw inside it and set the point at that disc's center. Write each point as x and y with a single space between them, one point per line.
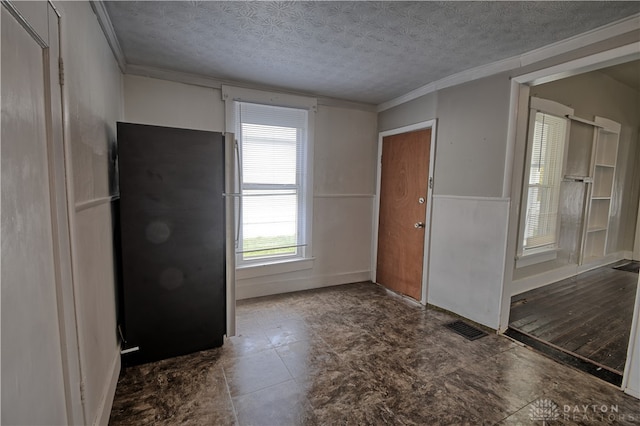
466 330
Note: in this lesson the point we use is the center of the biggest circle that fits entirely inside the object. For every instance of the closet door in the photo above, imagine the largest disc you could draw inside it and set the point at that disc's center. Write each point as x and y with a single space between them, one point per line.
173 240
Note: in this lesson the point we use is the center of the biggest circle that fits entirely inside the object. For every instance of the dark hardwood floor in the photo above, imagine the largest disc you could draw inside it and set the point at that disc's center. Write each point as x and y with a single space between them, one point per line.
588 315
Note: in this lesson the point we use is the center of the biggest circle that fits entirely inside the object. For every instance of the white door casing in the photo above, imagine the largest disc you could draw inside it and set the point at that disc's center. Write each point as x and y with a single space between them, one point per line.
432 124
40 361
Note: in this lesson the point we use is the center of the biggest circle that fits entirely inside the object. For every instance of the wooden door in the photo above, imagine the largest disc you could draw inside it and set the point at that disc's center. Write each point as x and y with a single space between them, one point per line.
403 195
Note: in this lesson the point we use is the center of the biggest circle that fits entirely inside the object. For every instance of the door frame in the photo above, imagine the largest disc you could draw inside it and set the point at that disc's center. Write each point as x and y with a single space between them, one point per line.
636 244
423 125
516 147
516 143
60 190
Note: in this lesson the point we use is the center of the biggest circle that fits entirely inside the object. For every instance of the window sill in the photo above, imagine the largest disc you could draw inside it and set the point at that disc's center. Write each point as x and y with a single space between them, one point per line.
536 256
273 268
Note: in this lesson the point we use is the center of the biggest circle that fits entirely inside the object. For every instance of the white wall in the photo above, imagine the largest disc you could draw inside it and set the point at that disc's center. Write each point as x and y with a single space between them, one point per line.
411 112
166 103
344 179
631 383
636 245
93 104
468 226
472 138
467 256
84 320
33 383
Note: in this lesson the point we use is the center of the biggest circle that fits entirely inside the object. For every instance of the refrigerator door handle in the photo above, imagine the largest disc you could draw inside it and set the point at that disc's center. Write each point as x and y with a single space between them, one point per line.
232 230
239 175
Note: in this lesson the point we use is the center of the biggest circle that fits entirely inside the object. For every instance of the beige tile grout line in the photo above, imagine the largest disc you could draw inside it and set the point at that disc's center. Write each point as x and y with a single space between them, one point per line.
226 382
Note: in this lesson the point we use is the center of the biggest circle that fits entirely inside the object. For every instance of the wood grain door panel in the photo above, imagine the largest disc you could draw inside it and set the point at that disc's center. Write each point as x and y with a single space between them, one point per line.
404 180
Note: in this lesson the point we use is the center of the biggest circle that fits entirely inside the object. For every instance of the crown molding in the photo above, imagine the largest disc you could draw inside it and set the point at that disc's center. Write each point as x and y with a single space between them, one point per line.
110 34
596 35
175 76
608 58
204 81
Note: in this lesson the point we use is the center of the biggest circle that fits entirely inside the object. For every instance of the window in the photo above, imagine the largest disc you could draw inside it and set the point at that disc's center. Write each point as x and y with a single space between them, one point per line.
548 133
272 149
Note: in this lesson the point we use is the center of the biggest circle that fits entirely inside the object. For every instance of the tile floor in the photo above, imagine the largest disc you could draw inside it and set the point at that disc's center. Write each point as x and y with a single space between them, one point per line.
356 354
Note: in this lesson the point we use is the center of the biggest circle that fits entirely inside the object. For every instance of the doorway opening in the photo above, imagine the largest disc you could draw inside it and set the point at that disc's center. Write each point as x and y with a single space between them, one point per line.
403 209
569 297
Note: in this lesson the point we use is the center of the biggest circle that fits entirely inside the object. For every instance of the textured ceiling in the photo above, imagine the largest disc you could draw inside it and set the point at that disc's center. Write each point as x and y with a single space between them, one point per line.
362 51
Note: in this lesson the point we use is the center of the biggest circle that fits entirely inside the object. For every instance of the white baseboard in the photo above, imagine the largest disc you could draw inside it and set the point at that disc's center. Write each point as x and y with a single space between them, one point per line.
106 402
540 280
247 291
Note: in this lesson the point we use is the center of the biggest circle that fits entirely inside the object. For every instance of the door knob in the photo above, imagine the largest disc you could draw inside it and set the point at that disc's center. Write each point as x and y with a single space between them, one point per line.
419 225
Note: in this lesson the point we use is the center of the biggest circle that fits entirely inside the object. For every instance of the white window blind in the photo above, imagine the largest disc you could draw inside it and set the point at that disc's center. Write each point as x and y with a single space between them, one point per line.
272 143
545 176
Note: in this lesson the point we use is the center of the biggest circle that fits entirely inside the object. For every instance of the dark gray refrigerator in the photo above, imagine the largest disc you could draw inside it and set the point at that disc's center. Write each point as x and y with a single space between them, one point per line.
172 241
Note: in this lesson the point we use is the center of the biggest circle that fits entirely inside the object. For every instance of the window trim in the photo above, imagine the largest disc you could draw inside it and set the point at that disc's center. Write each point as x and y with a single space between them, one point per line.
255 270
548 252
231 95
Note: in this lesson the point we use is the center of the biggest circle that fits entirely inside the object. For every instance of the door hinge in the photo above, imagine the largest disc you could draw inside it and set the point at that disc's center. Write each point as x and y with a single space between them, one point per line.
61 71
82 391
430 182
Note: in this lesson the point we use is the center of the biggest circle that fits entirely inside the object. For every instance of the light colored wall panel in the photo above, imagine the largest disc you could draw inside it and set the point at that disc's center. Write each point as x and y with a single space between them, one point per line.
93 89
95 298
342 235
342 247
421 109
166 103
631 383
344 151
93 105
35 13
33 390
468 241
636 245
472 138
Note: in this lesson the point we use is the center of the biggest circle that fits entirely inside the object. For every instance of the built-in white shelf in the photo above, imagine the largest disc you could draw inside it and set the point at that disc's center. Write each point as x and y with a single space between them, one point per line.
604 155
597 229
602 181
